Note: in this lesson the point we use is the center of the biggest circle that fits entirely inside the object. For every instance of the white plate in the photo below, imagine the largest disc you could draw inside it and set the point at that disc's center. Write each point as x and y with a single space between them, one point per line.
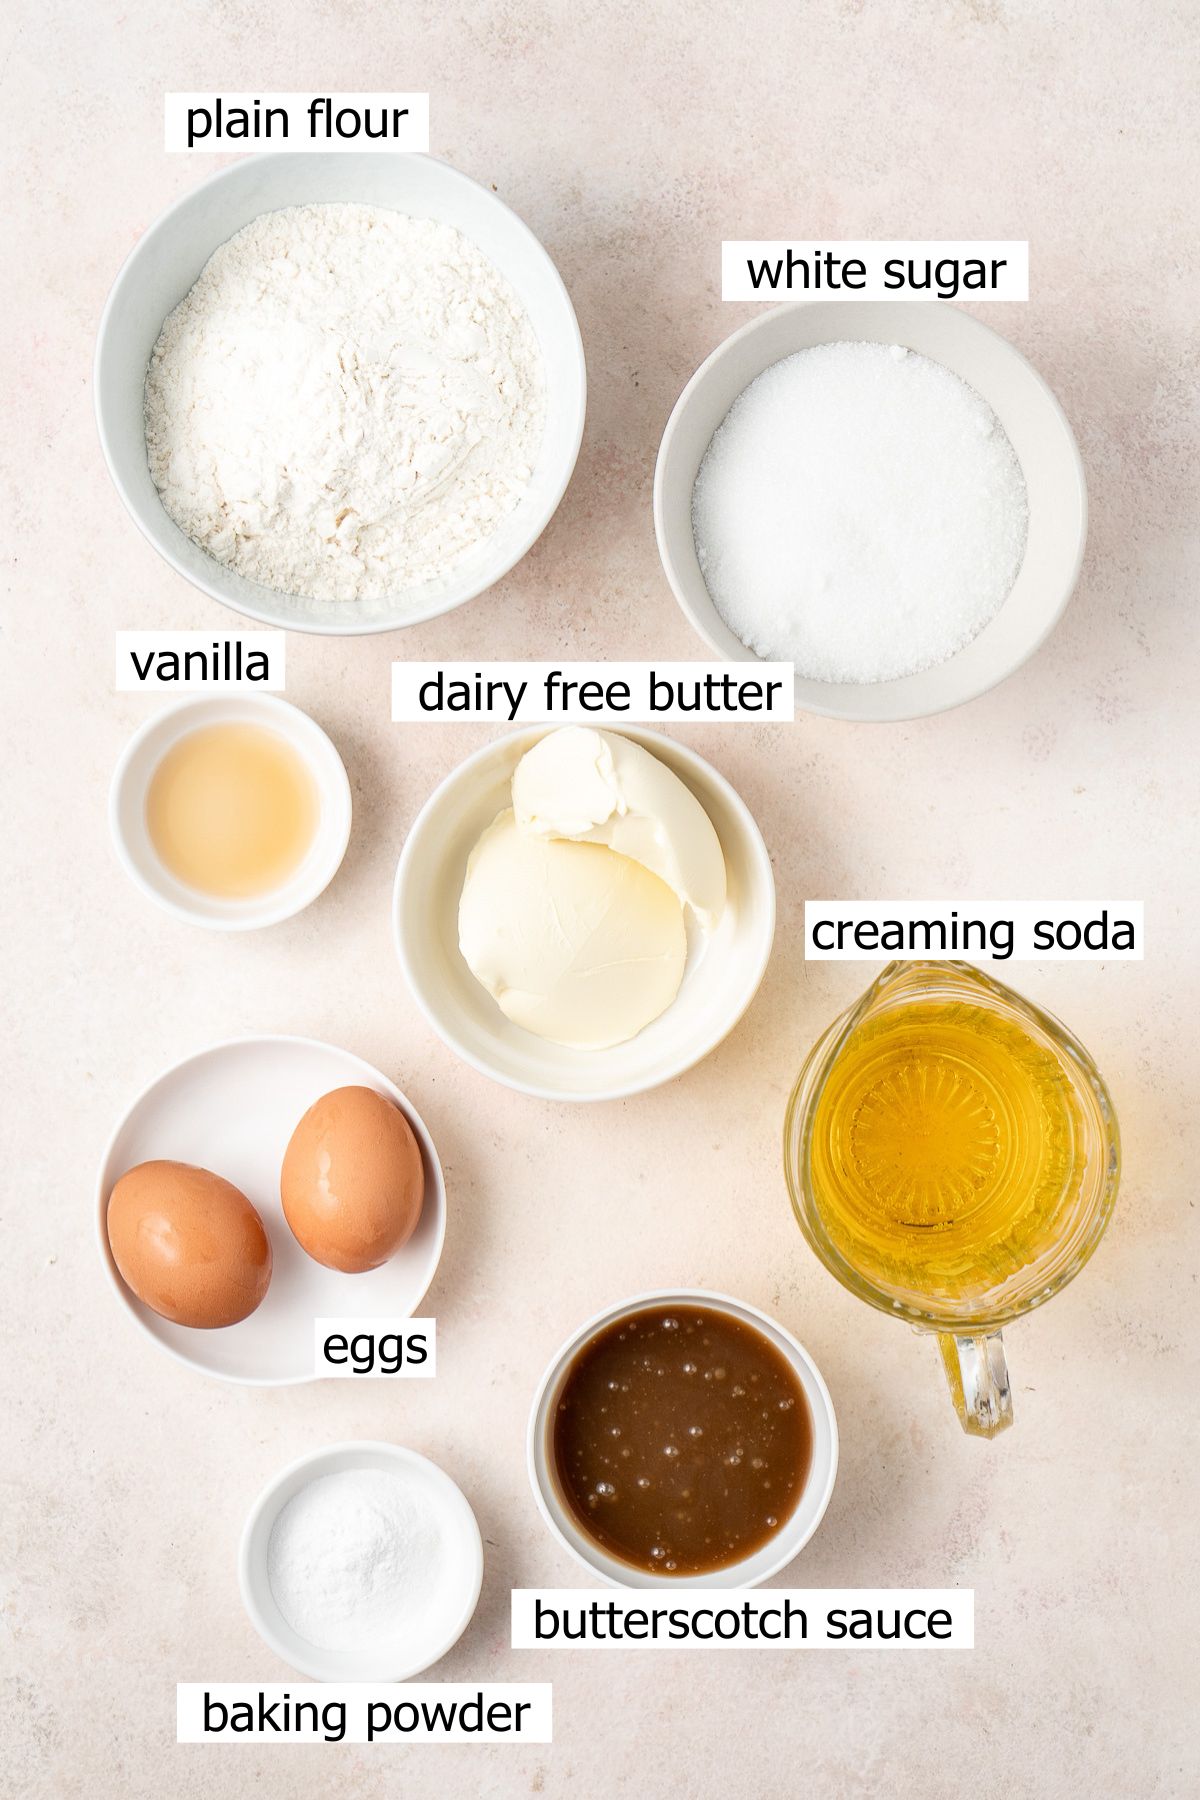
722 974
232 1109
454 1604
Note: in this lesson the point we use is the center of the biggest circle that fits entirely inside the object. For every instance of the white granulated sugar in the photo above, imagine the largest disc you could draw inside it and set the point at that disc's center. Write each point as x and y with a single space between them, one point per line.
346 404
354 1560
859 513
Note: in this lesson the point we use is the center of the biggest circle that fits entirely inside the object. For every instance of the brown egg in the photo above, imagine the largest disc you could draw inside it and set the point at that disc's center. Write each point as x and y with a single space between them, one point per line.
352 1182
189 1244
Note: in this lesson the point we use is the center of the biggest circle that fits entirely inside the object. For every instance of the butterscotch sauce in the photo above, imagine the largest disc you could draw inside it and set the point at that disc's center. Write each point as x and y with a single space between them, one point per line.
681 1439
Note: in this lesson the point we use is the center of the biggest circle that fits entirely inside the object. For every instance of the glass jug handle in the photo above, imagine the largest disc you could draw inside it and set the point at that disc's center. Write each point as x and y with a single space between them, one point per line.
978 1376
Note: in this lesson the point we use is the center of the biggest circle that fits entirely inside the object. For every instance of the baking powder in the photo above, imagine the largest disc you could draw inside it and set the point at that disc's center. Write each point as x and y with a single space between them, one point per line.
354 1560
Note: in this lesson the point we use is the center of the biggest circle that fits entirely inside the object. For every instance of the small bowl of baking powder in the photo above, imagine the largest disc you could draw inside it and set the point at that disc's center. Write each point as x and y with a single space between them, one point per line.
340 393
361 1562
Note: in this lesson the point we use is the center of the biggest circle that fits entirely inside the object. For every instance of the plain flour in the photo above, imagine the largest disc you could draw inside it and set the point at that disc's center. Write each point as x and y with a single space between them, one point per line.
346 404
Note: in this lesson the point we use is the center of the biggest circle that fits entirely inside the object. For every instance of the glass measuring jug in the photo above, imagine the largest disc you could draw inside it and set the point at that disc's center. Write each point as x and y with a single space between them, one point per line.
953 1158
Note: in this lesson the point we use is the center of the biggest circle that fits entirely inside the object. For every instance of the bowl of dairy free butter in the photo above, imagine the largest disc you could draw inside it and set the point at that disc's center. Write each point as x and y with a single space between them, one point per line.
584 914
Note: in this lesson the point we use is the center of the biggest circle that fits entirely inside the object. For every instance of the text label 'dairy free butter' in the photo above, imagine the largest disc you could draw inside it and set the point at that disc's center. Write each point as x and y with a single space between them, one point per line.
579 693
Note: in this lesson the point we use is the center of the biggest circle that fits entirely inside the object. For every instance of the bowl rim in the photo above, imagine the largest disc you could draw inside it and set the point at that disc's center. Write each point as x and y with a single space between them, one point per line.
262 613
815 704
760 859
801 1360
326 1665
105 1181
300 729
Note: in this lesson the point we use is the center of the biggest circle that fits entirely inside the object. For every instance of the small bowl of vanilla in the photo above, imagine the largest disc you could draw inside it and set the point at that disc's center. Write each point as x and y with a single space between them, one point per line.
231 812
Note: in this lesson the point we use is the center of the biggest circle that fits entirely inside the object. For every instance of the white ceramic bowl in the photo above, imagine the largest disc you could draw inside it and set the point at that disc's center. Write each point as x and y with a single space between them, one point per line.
165 264
232 1109
1037 429
795 1531
131 838
454 1604
720 980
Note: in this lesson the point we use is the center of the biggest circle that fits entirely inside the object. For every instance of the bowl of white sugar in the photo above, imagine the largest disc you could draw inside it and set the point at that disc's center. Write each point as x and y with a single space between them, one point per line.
340 393
887 496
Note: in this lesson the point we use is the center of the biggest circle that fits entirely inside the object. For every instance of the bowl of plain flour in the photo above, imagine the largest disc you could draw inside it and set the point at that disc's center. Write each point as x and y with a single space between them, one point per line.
342 393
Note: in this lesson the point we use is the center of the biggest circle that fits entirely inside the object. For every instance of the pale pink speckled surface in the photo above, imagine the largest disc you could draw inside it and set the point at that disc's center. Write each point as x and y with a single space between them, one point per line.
631 143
